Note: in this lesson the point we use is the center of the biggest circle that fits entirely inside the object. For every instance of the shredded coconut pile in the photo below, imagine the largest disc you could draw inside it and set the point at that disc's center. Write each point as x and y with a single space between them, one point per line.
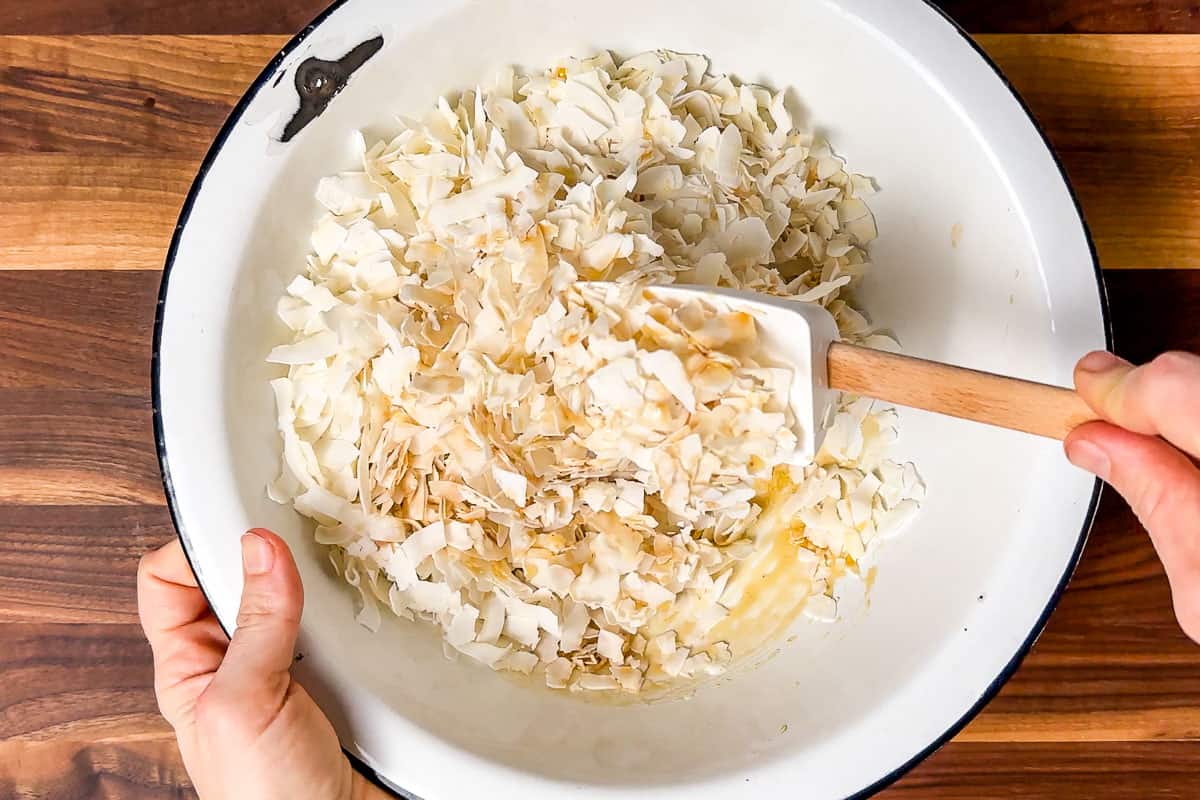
564 477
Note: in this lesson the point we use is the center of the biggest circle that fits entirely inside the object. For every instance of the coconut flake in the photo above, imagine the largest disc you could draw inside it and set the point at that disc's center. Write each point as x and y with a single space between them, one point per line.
545 470
306 351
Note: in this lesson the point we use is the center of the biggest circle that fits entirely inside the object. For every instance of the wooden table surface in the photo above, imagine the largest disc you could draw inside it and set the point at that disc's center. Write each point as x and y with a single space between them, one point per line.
106 108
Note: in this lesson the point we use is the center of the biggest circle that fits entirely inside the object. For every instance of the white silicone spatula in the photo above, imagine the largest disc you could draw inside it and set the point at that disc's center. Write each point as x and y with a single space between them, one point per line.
804 337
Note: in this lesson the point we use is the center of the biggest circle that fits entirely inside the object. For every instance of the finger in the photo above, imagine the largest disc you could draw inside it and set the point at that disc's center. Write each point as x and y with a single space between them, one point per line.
185 638
255 674
1163 487
168 596
1161 398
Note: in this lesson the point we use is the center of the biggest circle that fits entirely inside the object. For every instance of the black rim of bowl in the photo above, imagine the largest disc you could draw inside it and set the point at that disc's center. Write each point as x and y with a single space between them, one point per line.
371 774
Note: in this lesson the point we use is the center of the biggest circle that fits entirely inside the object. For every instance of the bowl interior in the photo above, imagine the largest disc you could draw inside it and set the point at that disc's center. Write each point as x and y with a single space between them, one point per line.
982 260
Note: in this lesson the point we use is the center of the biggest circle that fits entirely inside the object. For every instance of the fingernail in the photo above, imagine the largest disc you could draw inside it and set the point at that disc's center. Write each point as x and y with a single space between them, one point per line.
1101 361
1090 457
258 556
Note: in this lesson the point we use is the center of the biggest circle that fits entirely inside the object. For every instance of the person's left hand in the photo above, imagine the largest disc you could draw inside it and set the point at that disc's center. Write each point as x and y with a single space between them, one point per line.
245 728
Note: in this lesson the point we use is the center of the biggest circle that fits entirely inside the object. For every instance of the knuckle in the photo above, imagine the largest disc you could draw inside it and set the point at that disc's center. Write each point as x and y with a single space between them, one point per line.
265 614
1172 367
1156 388
266 608
254 615
1148 502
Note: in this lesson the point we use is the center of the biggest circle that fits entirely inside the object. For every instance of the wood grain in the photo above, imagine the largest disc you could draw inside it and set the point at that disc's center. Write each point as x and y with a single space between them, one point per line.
1123 112
110 212
99 140
288 16
1075 16
157 16
65 330
103 135
960 771
1000 400
62 448
64 680
1112 664
1116 771
72 769
75 563
115 95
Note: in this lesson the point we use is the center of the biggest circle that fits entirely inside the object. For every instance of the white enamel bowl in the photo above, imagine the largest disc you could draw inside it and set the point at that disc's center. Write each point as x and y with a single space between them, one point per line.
982 260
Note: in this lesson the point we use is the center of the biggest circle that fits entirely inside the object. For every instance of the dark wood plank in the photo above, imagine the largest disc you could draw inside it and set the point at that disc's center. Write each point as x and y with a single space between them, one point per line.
72 330
289 16
112 95
77 681
76 447
75 563
1075 16
1112 664
1152 312
157 16
86 770
960 771
1093 770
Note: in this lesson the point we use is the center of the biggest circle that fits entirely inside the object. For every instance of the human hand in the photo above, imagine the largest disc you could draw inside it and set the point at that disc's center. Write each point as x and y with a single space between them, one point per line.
245 728
1145 451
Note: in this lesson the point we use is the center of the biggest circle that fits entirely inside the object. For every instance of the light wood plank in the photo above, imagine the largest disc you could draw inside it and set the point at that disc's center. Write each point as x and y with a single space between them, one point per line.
91 178
1124 114
58 211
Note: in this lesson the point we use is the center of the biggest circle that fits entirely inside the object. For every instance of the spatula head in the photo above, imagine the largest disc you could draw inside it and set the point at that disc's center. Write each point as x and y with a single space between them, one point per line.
794 336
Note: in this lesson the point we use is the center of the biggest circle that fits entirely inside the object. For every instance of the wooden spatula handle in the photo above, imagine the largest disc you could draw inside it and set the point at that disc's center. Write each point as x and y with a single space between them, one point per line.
965 393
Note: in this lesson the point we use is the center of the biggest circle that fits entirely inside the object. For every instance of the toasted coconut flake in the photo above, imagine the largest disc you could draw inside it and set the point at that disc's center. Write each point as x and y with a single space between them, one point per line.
562 476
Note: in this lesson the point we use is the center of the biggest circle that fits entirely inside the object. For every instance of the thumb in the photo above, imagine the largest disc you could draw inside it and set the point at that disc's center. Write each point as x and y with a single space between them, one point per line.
1162 486
1161 398
255 672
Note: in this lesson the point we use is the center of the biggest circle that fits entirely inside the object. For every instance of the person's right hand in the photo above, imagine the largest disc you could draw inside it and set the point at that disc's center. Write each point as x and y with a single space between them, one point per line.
1145 450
